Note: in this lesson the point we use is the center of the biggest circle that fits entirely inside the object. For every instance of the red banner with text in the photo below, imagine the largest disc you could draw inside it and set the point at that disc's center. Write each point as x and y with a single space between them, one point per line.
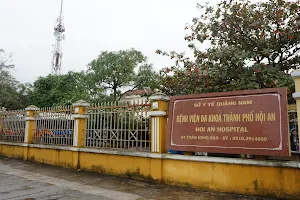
246 122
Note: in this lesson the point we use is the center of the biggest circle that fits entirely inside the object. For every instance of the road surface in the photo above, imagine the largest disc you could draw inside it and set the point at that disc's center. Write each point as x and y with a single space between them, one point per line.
21 180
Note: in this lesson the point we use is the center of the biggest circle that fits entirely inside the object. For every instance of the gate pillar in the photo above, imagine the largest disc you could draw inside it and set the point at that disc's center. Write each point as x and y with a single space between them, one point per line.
159 103
30 125
80 118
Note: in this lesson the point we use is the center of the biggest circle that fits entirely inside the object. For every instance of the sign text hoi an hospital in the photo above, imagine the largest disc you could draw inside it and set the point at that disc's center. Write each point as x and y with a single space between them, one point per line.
246 122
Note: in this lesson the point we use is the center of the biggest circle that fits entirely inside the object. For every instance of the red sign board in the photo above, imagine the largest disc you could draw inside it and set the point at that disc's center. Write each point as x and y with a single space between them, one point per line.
244 122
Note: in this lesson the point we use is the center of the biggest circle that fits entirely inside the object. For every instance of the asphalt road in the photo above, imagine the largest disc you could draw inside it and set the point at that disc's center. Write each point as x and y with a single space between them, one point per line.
21 180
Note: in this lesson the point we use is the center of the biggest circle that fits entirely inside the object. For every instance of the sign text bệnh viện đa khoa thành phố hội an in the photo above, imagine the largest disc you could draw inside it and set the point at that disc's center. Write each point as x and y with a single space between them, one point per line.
243 122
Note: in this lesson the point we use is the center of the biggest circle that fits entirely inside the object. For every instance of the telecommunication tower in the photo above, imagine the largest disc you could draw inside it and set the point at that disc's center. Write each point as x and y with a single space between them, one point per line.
59 30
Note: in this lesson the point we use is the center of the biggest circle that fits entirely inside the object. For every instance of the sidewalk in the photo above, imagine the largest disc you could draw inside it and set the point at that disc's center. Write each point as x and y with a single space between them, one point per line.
24 180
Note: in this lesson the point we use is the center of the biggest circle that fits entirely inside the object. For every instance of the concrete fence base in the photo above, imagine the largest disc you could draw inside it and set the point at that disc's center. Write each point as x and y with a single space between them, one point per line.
251 177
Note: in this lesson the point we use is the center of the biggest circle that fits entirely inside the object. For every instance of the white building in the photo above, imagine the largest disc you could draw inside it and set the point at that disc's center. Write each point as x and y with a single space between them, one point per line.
136 96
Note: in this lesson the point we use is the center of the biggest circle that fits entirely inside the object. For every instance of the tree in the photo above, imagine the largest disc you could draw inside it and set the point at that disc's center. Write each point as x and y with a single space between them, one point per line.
115 70
59 90
146 77
24 91
253 45
12 96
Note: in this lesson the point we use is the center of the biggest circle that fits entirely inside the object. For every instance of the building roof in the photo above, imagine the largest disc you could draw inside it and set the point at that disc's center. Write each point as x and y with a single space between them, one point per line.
145 91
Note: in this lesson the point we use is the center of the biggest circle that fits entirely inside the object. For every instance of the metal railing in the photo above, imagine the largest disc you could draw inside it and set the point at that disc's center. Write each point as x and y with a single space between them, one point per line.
119 126
54 126
12 126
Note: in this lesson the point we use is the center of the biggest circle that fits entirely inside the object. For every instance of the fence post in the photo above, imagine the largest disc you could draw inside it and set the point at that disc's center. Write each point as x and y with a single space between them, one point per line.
296 76
80 118
30 125
159 102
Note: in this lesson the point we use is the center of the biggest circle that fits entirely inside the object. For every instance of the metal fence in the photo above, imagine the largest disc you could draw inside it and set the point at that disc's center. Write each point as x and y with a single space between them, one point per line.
12 126
293 123
54 126
119 126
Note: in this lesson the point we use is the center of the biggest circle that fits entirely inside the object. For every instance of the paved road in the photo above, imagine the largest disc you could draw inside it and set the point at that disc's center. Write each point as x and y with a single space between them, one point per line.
21 180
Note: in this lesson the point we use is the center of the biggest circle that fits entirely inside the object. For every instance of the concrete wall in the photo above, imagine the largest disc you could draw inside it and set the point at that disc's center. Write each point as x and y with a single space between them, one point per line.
280 179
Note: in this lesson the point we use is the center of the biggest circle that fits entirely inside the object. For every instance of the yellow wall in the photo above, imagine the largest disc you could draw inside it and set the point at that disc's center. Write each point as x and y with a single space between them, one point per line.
56 157
115 164
12 151
235 178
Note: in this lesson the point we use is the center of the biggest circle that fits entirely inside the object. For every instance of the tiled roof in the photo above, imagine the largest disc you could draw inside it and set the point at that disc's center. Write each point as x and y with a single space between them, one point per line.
145 91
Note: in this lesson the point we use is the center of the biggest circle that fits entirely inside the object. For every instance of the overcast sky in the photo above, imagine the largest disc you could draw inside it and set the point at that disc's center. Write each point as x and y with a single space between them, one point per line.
92 26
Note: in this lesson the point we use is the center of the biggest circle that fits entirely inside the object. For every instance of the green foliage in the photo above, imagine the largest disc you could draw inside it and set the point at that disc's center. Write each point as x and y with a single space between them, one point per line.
146 77
23 94
13 94
253 45
59 90
116 71
111 70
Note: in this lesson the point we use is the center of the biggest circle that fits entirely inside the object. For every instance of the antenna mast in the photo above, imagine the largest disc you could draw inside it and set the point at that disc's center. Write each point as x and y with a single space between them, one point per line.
59 35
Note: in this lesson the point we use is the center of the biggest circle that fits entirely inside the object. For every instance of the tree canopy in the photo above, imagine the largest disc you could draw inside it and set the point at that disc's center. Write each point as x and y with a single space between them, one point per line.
146 77
59 90
13 93
116 71
111 70
252 46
